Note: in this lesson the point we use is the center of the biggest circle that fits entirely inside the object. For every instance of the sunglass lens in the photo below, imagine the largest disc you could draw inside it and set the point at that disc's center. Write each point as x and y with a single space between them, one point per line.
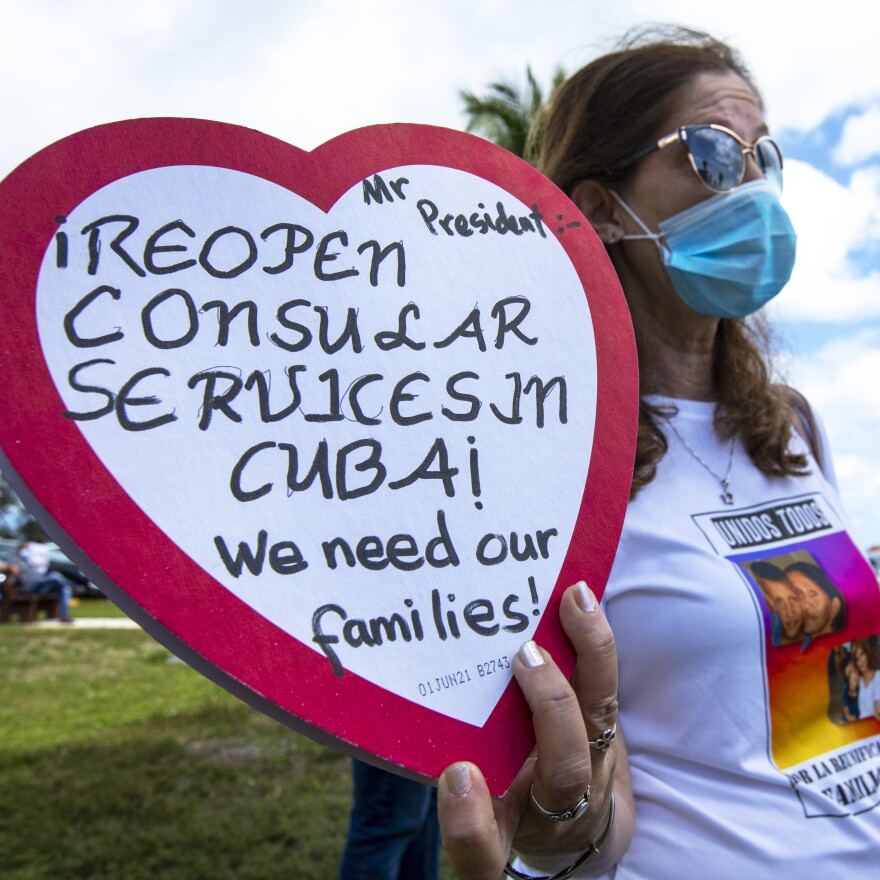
770 162
717 158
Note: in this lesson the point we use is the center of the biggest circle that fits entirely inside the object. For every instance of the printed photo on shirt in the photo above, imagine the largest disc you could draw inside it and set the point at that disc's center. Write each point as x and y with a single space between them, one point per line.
854 681
802 601
815 598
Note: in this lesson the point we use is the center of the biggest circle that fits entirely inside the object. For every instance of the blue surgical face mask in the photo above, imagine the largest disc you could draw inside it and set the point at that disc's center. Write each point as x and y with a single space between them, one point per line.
728 255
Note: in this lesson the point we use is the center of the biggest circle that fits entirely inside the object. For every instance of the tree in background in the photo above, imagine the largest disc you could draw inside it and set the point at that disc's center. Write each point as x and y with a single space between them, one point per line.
505 113
15 521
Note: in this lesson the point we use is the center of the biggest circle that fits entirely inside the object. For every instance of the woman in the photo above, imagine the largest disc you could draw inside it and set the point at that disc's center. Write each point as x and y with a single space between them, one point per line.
850 695
663 146
823 605
869 681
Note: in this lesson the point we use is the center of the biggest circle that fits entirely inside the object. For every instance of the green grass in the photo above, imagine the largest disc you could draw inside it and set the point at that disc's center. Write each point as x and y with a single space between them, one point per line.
94 607
119 763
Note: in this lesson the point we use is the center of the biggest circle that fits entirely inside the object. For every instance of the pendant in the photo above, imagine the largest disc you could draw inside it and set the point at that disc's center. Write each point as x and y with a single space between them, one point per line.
727 495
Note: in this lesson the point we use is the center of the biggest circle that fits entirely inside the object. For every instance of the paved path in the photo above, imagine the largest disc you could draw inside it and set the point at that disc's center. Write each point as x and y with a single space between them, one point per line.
89 623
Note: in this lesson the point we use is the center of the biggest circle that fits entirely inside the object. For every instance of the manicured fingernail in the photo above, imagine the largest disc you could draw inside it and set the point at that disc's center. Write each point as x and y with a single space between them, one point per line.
530 655
458 778
585 598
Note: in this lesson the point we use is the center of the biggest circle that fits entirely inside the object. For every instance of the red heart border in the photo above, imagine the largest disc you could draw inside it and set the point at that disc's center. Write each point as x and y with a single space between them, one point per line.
58 475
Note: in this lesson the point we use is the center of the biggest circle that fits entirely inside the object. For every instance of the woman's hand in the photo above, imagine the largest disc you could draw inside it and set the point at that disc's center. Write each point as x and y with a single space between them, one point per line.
479 831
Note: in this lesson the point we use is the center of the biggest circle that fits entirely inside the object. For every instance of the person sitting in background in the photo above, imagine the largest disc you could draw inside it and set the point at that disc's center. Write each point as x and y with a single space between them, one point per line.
30 568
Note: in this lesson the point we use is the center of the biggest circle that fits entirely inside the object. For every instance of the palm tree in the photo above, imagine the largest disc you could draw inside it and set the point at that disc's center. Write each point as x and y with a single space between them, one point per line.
505 113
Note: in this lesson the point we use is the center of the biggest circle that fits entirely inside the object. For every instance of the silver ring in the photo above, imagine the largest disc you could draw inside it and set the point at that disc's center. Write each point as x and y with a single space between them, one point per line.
603 742
573 812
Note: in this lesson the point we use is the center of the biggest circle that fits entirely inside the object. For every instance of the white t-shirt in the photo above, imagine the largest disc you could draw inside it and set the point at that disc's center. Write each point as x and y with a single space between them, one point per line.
33 561
743 765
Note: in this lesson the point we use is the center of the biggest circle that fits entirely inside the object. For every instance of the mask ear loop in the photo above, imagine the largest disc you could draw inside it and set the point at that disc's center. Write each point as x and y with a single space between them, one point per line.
634 236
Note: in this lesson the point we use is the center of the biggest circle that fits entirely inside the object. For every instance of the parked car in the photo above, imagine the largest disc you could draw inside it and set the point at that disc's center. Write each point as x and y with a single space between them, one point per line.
7 548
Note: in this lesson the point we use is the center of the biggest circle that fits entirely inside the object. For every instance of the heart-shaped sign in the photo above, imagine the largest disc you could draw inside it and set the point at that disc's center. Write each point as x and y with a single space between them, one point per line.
338 427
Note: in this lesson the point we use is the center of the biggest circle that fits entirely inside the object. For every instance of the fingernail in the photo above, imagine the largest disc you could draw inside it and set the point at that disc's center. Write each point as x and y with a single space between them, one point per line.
458 778
585 598
530 655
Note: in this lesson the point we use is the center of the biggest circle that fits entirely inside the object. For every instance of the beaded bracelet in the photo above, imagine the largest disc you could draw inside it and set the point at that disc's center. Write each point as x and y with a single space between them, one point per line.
585 859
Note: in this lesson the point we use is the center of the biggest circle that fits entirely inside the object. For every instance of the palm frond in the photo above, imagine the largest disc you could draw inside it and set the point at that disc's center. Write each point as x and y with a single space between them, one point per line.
505 112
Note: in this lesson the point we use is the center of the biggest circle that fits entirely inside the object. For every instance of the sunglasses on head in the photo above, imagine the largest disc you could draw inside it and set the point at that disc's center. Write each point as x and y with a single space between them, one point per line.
718 155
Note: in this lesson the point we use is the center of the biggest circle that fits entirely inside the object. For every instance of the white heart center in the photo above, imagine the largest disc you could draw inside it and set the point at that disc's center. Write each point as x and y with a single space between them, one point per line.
371 425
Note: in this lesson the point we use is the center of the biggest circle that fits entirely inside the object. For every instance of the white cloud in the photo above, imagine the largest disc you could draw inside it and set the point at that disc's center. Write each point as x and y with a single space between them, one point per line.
840 380
807 64
310 69
305 70
832 221
860 138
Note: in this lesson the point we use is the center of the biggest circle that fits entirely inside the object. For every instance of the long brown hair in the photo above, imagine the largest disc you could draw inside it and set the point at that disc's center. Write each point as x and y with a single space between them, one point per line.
606 112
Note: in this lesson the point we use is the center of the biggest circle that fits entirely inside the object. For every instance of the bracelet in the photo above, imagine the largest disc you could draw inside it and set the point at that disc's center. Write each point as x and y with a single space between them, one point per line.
585 859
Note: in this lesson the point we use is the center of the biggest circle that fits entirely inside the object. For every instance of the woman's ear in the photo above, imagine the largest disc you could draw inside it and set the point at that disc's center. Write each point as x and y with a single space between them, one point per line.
599 207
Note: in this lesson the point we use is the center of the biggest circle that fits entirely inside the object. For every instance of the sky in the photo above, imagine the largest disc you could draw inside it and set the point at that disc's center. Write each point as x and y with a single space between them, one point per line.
306 71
